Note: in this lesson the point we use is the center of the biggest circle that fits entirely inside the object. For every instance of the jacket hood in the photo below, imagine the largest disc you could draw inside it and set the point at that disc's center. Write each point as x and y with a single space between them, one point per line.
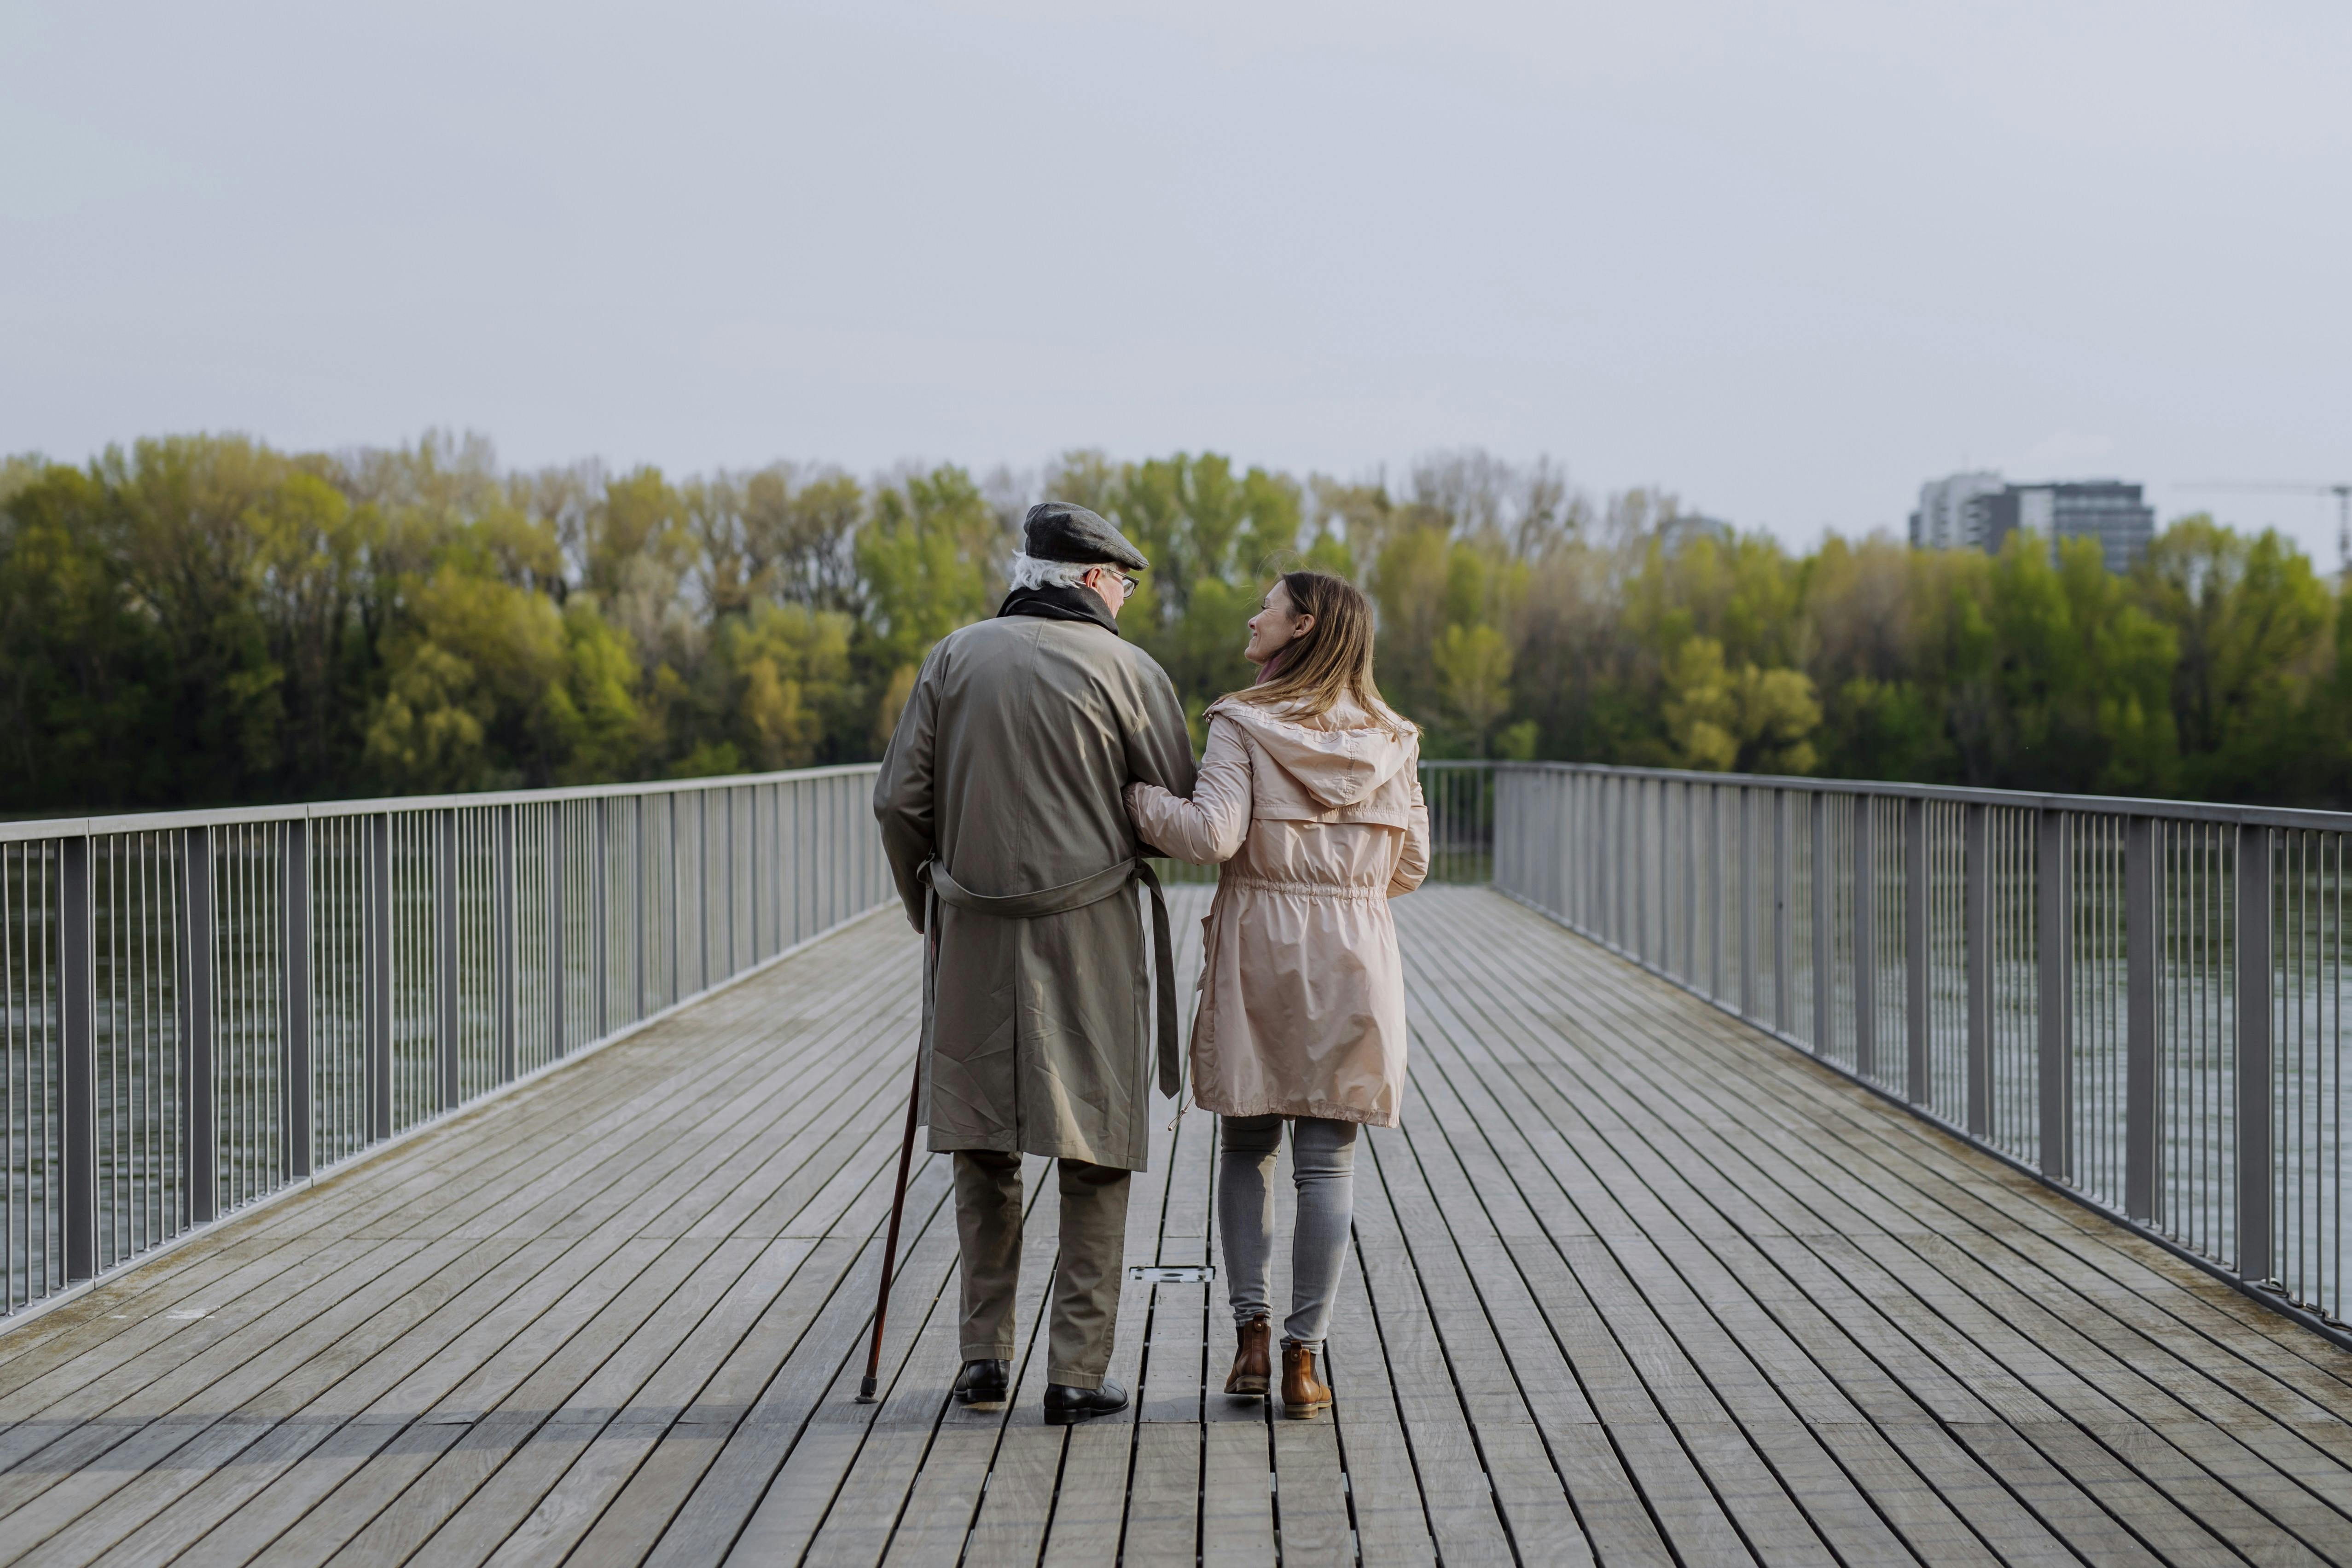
1340 766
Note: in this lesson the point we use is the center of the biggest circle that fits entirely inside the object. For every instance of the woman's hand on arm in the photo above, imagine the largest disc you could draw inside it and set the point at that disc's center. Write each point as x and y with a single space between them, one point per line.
1209 827
1413 858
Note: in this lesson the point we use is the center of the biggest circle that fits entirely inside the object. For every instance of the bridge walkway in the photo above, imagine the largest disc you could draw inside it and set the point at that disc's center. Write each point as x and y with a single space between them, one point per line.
1633 1284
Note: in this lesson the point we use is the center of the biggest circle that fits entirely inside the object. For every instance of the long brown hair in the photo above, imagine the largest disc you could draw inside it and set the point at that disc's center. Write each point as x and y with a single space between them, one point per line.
1332 660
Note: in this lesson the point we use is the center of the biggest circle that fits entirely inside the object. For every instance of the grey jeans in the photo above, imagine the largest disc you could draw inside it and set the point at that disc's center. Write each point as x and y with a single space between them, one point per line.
1323 1168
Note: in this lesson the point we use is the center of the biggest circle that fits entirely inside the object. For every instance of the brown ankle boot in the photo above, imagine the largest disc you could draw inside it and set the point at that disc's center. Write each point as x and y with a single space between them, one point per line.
1302 1393
1253 1360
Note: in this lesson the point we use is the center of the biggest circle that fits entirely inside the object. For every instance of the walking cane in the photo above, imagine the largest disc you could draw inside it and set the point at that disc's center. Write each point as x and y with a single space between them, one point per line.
906 1159
890 1247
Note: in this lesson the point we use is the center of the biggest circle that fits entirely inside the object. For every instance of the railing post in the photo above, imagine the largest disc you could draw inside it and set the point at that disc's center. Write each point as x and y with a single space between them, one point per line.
507 939
2255 1262
1620 837
445 906
779 861
1601 854
1641 848
2051 930
78 1004
1915 951
555 955
294 877
1720 889
1784 950
1977 915
196 1087
379 988
2140 947
676 914
598 920
1865 935
756 897
1747 901
644 897
1690 882
1825 932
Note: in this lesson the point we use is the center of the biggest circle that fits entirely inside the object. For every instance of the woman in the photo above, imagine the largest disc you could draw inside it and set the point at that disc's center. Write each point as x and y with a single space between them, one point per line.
1310 786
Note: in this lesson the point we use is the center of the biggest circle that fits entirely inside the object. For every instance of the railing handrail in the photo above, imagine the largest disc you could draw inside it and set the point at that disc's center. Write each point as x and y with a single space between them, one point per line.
1973 794
318 810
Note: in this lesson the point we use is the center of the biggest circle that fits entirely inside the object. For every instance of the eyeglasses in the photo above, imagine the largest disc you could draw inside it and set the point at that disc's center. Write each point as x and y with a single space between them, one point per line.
1126 585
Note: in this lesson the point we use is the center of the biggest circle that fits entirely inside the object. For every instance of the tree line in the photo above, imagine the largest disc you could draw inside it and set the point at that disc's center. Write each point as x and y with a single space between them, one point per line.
203 620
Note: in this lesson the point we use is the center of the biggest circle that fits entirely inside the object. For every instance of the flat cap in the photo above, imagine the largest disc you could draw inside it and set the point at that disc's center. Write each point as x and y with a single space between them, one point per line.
1057 530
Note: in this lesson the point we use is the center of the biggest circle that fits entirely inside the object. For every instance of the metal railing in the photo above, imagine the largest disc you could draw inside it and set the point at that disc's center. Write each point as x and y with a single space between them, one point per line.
2141 1001
201 1009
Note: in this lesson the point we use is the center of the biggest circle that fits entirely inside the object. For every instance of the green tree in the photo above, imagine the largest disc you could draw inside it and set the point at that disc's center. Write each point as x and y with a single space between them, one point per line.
2250 622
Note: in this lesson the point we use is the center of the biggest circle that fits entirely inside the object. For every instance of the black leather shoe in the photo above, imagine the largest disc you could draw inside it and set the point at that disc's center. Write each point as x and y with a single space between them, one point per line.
982 1384
1064 1404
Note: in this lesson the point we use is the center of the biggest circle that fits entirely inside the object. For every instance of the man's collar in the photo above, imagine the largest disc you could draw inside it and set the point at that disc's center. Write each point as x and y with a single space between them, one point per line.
1058 604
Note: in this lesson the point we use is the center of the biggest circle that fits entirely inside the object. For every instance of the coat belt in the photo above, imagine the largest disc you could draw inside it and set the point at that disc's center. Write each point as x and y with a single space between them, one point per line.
1056 900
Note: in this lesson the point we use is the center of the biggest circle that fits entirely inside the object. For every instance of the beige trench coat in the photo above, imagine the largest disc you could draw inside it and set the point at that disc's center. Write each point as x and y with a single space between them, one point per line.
1007 764
1302 993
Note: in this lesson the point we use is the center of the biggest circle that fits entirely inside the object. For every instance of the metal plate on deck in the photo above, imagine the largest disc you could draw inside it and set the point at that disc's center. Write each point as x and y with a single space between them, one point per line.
1168 1274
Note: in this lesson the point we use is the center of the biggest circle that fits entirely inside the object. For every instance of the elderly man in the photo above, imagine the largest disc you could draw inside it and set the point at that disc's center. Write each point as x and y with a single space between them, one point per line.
1000 801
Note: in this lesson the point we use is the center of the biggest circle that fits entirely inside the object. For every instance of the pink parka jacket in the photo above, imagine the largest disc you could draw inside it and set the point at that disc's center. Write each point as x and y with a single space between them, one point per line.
1302 993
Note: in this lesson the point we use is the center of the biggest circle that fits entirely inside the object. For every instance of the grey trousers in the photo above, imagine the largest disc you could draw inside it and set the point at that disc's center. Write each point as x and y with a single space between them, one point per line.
1087 1277
1323 1168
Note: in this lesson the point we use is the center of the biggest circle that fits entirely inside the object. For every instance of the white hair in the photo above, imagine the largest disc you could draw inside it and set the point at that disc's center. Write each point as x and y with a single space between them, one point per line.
1027 572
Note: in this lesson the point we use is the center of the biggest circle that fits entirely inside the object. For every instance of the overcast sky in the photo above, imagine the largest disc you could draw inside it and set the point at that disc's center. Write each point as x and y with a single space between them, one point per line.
1787 261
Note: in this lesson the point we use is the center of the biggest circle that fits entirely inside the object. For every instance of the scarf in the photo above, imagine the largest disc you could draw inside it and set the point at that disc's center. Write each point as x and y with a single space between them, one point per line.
1078 604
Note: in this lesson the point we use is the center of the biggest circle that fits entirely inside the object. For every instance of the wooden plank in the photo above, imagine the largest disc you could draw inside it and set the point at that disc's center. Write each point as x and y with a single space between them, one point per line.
1163 1498
1827 1214
722 1400
1237 1493
1090 1502
1017 1502
613 1418
2084 1514
946 1488
328 1495
626 1340
1311 1493
1174 1367
1457 1498
699 1521
299 1493
1816 1440
1385 1495
2207 1498
917 1477
653 1488
1528 1488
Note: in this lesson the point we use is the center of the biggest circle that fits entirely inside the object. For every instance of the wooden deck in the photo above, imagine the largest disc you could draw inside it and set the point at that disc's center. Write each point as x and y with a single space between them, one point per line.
1633 1285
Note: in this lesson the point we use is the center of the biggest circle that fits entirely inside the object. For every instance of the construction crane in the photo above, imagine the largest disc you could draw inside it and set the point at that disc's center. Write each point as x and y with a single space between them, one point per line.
2343 494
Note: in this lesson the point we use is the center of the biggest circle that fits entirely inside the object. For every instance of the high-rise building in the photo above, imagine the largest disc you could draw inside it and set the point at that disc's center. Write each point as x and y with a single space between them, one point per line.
1943 520
1978 510
2109 510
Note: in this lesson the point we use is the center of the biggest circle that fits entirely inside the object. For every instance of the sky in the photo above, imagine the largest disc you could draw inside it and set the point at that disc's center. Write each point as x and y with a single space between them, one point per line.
1784 262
